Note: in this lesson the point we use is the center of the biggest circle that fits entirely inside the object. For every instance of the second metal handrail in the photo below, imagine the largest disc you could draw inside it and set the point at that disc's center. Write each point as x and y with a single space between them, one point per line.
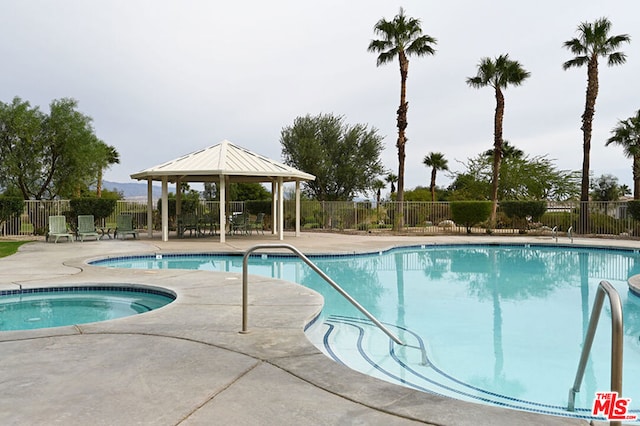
605 288
305 259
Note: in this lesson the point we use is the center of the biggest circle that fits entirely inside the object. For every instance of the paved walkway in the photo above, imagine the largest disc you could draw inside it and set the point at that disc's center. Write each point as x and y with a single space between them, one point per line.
187 363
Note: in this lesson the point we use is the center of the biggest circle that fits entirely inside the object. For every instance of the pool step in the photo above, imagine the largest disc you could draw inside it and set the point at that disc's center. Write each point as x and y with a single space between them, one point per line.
359 344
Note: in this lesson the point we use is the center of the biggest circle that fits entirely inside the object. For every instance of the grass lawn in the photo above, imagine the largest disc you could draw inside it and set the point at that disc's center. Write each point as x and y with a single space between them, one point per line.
8 248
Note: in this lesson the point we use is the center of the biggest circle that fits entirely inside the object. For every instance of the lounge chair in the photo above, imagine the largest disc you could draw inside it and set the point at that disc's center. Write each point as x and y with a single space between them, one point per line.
58 228
87 227
124 226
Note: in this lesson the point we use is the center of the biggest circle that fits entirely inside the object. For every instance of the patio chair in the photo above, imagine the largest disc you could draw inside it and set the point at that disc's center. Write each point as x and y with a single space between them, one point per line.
258 225
87 227
124 226
188 222
58 228
240 224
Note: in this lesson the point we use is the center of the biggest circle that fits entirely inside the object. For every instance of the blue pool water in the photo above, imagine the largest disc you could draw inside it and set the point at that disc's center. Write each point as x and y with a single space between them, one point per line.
497 324
59 306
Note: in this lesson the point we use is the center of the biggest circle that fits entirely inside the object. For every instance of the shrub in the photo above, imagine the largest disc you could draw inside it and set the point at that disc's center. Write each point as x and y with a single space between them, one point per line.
633 207
521 211
9 207
100 208
258 206
469 213
563 220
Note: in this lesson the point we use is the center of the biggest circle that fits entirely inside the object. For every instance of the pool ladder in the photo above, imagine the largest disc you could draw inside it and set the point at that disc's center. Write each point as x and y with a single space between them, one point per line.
605 288
305 259
554 233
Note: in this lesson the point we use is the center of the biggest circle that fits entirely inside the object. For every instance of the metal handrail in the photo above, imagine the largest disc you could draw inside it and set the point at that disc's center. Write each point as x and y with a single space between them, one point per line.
570 233
305 259
604 288
554 233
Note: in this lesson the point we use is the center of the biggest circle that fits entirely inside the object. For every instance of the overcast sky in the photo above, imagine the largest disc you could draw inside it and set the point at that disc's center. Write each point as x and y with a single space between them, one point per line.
164 78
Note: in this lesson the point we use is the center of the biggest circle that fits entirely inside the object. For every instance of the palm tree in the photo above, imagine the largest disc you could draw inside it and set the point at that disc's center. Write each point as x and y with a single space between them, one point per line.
498 74
508 151
378 185
627 135
593 41
402 37
436 161
391 179
111 157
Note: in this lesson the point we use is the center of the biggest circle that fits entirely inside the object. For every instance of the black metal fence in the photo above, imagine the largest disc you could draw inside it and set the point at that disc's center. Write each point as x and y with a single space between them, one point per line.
605 218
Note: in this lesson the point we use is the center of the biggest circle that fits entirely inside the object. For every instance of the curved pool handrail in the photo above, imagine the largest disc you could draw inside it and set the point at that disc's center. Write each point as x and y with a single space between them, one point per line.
604 288
305 259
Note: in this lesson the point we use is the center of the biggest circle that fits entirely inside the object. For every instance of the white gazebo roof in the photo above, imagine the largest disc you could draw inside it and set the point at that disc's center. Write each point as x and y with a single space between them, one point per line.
227 159
224 163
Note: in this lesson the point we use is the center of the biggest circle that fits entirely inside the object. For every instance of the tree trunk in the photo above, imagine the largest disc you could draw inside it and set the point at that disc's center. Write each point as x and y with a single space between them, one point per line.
99 184
636 177
433 185
402 125
587 125
497 153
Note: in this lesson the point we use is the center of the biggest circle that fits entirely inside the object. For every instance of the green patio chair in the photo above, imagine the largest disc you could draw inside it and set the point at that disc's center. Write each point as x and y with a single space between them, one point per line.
258 225
240 224
58 228
87 227
124 226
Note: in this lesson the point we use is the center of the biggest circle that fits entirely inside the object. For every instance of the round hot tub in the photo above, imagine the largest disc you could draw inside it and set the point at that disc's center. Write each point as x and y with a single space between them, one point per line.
28 309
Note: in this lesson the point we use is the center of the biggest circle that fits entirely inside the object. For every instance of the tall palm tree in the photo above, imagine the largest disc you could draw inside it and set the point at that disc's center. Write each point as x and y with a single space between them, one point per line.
436 161
391 178
401 37
111 157
498 74
593 41
627 135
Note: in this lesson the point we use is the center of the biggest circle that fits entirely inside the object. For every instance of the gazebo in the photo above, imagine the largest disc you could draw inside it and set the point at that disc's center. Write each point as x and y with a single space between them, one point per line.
223 163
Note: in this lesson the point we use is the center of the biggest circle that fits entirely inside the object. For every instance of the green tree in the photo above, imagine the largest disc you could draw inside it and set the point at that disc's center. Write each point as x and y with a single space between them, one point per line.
498 74
345 159
401 37
605 188
593 41
627 135
45 156
436 161
521 178
248 191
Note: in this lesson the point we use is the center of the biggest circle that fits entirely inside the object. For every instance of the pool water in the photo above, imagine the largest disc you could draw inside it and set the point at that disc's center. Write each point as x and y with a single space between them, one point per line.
497 324
43 308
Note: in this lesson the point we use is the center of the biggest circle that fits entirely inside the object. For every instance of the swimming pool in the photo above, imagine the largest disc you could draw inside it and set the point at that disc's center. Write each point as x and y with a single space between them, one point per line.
28 309
500 324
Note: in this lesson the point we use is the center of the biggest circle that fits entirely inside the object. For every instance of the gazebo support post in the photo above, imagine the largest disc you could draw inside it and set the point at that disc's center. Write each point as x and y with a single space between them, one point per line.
150 208
274 208
297 208
280 209
165 209
223 209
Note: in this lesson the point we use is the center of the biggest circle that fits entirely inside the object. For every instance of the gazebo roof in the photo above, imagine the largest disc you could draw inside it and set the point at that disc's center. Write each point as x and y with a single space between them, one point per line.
227 159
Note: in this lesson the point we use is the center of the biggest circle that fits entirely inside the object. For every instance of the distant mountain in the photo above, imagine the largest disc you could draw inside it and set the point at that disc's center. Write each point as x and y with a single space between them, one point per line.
135 190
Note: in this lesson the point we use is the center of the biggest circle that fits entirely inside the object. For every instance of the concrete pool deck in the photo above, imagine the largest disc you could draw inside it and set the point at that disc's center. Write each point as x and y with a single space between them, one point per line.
187 363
